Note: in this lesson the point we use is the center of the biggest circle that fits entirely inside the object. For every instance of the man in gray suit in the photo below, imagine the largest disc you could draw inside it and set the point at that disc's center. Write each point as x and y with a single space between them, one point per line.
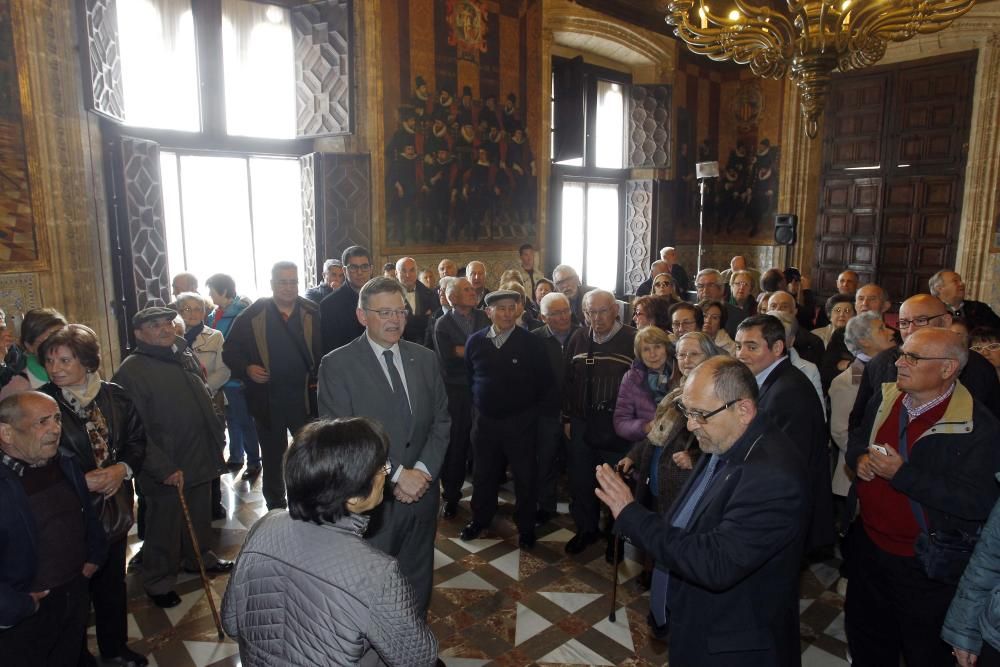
398 384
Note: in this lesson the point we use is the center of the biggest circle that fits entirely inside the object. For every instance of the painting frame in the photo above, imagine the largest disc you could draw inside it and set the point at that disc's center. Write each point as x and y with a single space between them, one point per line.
29 128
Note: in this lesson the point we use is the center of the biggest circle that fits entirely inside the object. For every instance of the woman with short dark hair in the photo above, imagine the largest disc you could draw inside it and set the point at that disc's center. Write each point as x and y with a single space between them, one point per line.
37 325
103 430
307 588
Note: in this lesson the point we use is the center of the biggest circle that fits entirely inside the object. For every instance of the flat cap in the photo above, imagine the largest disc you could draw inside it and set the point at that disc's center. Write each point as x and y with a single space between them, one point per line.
499 294
150 314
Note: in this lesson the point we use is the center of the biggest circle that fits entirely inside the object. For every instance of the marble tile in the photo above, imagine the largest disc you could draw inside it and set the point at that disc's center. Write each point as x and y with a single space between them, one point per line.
529 624
573 653
463 662
562 535
825 574
474 546
509 564
836 628
571 602
440 559
470 581
206 653
619 630
817 657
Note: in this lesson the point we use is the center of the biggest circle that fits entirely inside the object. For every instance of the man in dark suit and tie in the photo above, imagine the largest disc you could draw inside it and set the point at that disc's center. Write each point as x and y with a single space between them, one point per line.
789 399
338 323
421 302
398 384
728 552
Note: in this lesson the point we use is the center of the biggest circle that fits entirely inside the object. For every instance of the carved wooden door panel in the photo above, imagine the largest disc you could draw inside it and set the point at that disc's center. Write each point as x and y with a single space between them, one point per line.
904 128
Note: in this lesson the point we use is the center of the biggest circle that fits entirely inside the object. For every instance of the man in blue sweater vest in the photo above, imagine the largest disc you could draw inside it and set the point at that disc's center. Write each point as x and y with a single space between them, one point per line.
509 374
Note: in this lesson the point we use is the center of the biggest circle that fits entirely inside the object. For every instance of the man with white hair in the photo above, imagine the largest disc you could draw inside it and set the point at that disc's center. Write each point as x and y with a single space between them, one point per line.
451 331
567 281
555 334
925 483
950 288
421 302
475 271
681 282
709 285
599 355
808 345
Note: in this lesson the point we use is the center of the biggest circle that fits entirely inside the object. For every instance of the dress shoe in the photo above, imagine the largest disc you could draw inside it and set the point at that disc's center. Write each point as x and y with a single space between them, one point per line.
221 566
471 531
450 509
165 600
543 517
234 466
580 542
660 632
526 541
135 563
127 658
251 474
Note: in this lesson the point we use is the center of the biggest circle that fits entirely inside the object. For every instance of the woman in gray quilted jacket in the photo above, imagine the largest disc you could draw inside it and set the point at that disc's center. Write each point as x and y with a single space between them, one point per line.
307 588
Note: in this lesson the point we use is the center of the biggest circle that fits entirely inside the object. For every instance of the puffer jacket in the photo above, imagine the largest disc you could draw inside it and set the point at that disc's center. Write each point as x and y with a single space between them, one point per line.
635 406
974 615
307 594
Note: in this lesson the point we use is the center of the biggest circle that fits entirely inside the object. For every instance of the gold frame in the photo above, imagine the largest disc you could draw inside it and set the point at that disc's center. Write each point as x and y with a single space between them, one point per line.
42 260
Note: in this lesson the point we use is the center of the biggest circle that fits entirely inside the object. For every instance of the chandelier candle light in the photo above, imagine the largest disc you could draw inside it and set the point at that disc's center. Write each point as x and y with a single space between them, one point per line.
809 40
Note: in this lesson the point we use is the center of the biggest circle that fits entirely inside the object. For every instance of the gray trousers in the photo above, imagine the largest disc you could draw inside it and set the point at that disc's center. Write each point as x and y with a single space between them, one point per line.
168 543
406 532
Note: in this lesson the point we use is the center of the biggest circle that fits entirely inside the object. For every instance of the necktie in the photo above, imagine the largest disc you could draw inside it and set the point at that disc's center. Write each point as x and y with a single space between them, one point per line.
658 586
398 390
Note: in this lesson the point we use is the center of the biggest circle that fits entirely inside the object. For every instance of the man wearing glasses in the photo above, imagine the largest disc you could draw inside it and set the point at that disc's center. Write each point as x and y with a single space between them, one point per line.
274 349
709 285
918 312
398 384
729 549
339 324
790 401
567 281
924 467
656 268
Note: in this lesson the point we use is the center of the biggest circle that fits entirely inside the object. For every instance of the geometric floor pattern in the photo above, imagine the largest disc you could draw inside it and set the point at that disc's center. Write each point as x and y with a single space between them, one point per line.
493 604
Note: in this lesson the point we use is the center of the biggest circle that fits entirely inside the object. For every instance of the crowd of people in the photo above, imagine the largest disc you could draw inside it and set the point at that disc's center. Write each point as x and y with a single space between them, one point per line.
731 432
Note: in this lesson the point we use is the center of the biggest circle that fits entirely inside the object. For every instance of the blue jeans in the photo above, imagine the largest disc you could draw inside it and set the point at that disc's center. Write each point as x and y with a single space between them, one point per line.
242 432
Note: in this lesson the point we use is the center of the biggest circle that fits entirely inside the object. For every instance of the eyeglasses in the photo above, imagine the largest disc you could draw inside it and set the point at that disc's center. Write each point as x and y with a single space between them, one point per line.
566 281
912 359
192 309
921 321
681 356
597 313
702 417
358 268
663 283
741 283
704 286
684 323
388 313
986 347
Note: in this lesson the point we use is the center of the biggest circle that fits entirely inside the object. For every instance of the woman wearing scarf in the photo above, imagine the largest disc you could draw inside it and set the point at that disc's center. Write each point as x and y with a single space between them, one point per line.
37 325
101 427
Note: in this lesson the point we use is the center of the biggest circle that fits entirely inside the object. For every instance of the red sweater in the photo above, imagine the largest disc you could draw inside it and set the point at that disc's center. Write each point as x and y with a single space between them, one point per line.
885 512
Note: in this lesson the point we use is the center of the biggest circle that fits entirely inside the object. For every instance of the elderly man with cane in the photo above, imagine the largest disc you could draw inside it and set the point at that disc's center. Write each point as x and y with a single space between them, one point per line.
184 452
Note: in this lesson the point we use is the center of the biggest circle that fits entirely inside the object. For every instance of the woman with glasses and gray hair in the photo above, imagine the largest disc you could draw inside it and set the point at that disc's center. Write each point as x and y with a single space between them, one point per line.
308 589
669 452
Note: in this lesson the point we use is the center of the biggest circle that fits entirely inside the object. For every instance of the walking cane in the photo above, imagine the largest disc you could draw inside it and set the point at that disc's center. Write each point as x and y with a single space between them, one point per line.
614 574
201 565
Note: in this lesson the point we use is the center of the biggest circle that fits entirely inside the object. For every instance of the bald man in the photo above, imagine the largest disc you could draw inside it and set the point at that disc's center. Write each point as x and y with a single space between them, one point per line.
926 462
918 312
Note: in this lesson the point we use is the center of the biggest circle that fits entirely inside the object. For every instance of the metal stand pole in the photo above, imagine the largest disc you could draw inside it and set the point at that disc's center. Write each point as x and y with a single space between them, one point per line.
701 220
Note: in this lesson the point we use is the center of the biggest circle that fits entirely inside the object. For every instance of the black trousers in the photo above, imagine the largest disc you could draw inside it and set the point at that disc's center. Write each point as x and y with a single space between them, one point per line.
988 656
109 597
551 441
288 414
581 461
453 469
493 440
893 609
52 636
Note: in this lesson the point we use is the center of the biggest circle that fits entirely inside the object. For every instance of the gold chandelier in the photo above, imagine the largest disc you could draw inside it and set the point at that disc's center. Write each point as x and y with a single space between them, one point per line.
810 39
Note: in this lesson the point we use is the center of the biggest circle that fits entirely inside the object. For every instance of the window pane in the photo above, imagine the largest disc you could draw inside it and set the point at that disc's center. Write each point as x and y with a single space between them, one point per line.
610 145
277 218
602 236
159 70
171 189
571 248
216 212
259 69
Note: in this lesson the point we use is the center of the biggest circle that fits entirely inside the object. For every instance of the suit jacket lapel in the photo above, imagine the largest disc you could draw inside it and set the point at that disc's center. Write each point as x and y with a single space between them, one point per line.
374 366
412 380
775 374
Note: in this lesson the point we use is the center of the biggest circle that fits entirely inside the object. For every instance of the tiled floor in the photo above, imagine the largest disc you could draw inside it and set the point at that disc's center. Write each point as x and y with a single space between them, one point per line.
493 604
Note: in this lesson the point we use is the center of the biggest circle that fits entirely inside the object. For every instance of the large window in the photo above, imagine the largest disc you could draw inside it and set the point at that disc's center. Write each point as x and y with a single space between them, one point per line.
589 182
233 215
